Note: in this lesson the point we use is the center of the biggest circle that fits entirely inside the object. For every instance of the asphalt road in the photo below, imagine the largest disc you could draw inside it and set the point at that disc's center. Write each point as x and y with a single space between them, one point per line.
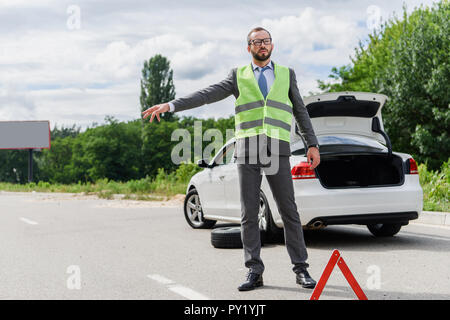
108 249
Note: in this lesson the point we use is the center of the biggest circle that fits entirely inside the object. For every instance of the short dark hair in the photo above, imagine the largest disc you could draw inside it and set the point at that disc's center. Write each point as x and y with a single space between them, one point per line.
256 30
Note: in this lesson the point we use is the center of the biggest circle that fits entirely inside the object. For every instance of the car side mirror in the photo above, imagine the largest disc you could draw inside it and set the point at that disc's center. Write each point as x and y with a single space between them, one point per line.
202 163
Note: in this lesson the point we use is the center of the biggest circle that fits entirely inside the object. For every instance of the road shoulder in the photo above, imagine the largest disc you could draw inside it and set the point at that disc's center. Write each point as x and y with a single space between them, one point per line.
433 218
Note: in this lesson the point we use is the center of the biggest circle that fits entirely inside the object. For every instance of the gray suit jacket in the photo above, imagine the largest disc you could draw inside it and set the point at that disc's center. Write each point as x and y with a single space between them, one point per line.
251 147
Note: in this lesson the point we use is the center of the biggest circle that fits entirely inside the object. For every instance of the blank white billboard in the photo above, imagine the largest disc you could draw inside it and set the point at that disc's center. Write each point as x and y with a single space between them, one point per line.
25 134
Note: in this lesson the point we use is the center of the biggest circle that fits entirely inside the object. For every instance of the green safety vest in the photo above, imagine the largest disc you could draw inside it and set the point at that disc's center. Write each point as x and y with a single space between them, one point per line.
255 115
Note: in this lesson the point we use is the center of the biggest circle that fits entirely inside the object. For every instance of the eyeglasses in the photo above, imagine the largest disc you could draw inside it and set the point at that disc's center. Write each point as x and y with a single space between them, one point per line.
258 42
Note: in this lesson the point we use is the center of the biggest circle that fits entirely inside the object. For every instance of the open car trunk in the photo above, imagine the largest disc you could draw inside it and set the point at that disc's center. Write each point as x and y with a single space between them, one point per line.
360 170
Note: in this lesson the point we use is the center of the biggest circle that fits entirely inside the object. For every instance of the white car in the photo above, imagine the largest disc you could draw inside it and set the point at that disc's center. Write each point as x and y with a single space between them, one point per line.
359 179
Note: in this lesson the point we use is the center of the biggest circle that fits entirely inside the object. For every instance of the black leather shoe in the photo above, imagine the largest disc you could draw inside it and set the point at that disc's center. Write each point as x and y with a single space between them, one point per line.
305 280
254 280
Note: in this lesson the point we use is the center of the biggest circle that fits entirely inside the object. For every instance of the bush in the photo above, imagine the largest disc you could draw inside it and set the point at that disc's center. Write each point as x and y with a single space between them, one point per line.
185 171
435 186
140 186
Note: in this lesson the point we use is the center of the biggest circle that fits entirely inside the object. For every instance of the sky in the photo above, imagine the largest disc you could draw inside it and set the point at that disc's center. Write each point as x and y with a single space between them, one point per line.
75 62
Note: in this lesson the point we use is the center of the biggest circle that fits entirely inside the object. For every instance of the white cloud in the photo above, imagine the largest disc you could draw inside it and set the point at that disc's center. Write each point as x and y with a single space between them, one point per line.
87 105
120 60
16 104
298 36
116 61
79 76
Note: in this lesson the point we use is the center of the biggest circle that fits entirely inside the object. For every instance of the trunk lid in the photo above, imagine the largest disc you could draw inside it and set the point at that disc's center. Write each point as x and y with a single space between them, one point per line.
349 113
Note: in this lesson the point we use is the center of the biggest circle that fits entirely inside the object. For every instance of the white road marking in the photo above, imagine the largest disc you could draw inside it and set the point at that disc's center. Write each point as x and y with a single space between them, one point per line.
160 279
28 221
177 288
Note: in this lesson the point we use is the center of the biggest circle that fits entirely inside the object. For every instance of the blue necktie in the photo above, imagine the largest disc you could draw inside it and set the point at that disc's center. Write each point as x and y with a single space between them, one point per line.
262 82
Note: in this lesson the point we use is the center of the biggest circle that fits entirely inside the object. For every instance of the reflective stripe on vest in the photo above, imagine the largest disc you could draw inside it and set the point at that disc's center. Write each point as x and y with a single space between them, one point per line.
255 115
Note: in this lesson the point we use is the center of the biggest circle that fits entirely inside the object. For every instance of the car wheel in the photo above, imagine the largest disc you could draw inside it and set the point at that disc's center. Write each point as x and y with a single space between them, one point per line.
268 228
226 237
384 229
193 212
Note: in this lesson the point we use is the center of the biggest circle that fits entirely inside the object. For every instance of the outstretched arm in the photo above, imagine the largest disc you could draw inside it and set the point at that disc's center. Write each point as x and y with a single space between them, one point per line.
213 93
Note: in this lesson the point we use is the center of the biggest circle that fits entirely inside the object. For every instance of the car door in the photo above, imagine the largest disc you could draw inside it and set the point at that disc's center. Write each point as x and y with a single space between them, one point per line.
213 188
232 194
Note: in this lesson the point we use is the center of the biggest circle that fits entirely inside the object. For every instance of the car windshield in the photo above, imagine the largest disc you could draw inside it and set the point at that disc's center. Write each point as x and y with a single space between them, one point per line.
224 156
339 142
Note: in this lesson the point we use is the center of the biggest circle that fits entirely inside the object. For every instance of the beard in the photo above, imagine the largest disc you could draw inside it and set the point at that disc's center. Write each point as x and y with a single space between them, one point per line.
259 57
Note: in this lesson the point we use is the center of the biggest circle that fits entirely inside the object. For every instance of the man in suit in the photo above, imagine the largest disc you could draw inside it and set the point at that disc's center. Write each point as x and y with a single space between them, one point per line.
267 98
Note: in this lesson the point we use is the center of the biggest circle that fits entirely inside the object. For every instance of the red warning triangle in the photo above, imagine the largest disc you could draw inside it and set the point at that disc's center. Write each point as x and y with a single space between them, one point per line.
337 259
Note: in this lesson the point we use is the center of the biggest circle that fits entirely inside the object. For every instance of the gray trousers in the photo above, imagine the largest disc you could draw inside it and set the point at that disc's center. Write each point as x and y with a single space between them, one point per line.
281 185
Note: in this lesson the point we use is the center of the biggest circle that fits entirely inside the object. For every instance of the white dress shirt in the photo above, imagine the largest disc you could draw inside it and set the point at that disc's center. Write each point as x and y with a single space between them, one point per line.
268 73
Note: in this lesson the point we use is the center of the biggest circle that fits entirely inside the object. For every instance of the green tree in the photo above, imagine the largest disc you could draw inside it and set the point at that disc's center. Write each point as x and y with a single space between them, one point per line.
409 61
157 84
222 124
157 87
14 166
157 147
55 164
109 151
64 132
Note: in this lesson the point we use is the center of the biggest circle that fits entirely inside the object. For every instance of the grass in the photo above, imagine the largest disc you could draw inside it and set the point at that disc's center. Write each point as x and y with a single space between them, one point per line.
435 186
135 189
162 187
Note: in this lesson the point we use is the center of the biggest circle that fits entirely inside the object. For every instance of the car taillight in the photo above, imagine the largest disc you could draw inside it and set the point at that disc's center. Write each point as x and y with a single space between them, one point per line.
303 171
413 166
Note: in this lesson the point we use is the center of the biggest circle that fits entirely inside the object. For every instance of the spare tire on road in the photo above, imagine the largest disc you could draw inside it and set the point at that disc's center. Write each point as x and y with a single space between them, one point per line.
227 237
